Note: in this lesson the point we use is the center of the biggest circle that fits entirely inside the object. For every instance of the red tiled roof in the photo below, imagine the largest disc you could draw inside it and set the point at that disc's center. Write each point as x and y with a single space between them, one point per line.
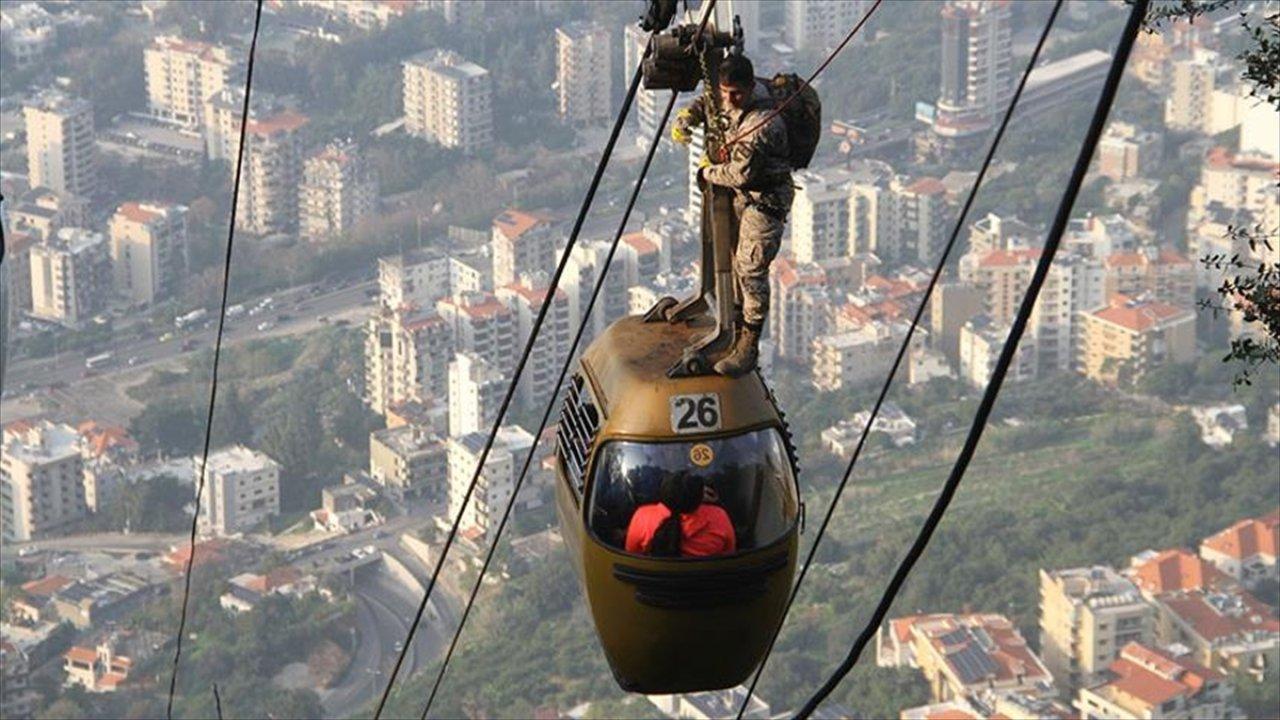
789 274
1247 538
1010 656
1139 316
514 223
1008 258
206 552
927 186
1126 259
281 576
112 679
102 438
81 654
46 586
1169 256
134 212
1245 614
640 243
1153 677
1221 158
1178 569
285 121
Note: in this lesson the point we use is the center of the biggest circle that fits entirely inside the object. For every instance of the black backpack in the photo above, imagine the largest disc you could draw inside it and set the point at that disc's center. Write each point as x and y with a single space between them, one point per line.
803 116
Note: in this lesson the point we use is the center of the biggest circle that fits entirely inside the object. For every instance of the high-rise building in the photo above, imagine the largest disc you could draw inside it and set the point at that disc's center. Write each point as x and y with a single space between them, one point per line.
1189 89
920 220
584 74
271 173
338 191
1129 337
981 342
525 299
820 215
60 150
448 100
977 66
496 481
1127 151
476 389
1086 615
523 244
70 276
182 74
41 480
148 250
241 489
407 354
481 325
410 460
818 25
800 307
649 103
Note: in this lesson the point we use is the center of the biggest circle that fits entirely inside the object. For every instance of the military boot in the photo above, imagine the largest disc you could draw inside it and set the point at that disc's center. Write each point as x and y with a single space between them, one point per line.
744 354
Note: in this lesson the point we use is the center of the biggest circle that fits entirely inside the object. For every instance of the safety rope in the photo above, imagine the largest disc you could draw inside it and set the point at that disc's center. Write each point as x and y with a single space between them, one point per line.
551 403
906 343
524 357
1054 239
724 149
217 354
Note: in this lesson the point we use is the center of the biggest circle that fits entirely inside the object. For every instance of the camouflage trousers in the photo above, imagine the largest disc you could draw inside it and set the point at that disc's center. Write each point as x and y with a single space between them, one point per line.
759 237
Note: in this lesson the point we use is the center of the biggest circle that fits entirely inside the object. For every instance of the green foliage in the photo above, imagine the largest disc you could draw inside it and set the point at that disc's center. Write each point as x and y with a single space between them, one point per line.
154 505
170 426
1257 699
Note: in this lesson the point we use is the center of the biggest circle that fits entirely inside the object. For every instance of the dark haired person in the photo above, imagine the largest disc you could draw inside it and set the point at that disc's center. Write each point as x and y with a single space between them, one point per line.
681 524
758 169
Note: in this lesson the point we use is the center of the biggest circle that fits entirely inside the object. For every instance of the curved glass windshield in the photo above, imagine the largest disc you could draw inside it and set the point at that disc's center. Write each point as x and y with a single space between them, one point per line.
746 478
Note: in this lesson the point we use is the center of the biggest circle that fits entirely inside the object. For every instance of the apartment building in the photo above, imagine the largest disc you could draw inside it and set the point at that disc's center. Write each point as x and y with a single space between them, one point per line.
271 173
1225 629
476 389
181 75
148 250
422 277
70 276
61 154
410 461
921 222
338 192
649 103
951 306
962 656
1125 339
1191 77
448 100
41 211
1238 182
496 482
977 67
819 25
800 307
1247 550
482 325
584 74
1174 570
994 231
1127 151
1161 274
524 298
241 490
407 354
1087 615
848 358
820 214
41 480
1145 683
523 244
981 342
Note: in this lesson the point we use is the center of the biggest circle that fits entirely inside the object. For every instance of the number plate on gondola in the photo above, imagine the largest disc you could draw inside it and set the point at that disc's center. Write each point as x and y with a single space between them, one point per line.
695 413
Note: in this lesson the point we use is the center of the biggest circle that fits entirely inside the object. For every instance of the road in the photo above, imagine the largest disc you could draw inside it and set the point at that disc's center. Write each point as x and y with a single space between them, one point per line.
102 542
293 311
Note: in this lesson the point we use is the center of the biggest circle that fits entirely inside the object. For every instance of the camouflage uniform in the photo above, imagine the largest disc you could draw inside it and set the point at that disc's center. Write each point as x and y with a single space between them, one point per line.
759 171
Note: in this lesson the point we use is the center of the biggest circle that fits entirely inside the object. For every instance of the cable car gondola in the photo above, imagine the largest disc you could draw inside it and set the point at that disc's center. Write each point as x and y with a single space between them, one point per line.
677 624
643 409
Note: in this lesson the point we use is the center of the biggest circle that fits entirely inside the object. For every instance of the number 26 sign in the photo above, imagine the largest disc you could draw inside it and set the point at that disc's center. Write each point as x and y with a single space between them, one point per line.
695 413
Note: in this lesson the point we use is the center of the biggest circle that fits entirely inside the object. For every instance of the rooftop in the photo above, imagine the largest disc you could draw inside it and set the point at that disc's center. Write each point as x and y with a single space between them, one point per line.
1248 538
238 458
1140 315
1149 678
1225 616
41 442
1176 569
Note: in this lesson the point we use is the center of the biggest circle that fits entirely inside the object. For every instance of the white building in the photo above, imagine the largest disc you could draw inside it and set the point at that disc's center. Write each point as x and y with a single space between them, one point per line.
41 480
476 389
182 74
61 154
980 345
448 100
1247 550
584 75
70 276
496 481
148 250
820 214
241 490
842 438
818 25
1220 423
338 192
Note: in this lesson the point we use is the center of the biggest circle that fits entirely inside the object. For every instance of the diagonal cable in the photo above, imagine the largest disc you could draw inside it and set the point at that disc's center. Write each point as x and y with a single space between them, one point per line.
524 357
1052 241
217 354
906 344
551 401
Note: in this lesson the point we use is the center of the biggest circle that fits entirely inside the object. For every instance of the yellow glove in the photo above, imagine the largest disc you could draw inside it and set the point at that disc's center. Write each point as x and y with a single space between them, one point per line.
680 129
705 162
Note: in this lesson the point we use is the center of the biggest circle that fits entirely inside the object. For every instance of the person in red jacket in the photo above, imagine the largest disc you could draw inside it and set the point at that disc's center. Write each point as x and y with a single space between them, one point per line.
681 523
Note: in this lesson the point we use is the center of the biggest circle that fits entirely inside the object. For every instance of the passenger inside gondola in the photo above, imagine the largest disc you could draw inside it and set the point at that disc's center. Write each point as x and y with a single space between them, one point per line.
683 523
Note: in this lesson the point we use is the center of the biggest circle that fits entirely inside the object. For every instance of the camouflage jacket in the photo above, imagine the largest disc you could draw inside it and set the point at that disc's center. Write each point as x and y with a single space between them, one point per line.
758 167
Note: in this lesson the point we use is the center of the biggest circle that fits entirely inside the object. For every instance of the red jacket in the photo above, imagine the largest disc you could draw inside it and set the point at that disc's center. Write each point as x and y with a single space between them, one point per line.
705 531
